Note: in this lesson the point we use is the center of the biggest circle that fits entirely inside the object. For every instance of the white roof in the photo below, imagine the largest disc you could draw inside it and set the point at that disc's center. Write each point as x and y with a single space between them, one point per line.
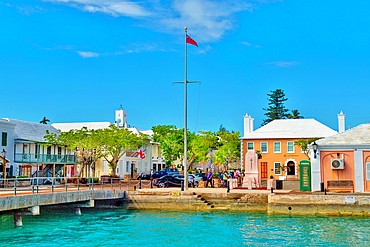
30 131
359 135
64 127
291 128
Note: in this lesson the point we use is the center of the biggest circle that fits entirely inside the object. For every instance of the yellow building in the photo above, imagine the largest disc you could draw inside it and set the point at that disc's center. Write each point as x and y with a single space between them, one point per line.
275 141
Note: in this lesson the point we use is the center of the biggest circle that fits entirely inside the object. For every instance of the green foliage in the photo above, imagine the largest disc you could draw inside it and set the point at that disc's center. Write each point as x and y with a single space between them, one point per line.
276 108
90 145
304 145
295 115
228 147
171 142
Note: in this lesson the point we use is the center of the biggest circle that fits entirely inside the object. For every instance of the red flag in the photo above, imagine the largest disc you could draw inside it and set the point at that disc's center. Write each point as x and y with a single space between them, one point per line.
191 41
141 154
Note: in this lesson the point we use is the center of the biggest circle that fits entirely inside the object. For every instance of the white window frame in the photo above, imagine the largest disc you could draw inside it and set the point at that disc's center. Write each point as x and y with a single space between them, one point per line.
248 145
277 168
279 147
287 147
267 147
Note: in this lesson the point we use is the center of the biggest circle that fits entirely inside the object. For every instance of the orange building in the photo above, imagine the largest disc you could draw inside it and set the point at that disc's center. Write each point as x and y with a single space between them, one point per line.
275 141
342 161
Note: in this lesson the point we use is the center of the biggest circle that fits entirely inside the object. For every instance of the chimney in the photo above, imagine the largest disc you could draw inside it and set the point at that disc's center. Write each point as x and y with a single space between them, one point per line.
248 124
341 125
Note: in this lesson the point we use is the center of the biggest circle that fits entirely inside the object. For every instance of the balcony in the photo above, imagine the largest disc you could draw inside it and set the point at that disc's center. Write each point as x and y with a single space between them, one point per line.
45 158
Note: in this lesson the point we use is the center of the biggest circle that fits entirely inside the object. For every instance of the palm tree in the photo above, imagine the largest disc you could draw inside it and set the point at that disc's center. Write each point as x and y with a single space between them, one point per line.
44 121
295 115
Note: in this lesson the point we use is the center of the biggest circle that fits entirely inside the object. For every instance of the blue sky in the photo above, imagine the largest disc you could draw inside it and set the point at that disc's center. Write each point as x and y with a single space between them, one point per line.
78 61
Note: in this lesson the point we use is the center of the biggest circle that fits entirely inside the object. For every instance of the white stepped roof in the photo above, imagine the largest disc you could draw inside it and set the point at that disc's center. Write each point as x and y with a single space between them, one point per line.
31 131
359 135
291 128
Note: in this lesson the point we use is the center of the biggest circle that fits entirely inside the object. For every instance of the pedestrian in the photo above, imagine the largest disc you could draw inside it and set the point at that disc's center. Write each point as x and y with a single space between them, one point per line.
225 177
209 179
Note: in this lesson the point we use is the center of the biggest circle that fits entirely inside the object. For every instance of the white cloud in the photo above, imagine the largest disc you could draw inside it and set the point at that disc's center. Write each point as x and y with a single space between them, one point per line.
245 43
285 64
87 54
207 20
110 7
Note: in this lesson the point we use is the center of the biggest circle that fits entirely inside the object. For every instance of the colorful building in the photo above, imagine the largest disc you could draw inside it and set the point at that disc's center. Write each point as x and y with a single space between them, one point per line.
342 162
279 156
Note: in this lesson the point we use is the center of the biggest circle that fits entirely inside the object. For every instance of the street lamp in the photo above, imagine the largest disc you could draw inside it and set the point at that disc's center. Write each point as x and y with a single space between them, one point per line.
314 147
3 161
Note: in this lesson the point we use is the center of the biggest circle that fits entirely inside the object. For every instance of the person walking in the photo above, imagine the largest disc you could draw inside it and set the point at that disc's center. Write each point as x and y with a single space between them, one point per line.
209 179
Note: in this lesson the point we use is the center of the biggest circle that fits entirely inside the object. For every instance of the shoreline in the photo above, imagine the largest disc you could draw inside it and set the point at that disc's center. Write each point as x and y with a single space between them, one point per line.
283 202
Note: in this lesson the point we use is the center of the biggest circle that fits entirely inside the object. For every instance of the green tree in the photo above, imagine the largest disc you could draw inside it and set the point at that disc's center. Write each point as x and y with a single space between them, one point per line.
200 145
171 141
90 145
114 142
304 145
44 121
295 115
84 142
228 147
276 108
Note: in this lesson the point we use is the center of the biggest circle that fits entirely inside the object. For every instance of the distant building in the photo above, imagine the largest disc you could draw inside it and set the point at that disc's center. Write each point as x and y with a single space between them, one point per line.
130 164
28 154
341 158
275 142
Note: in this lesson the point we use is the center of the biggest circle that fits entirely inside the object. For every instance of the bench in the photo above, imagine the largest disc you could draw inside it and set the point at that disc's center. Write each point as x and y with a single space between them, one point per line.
340 185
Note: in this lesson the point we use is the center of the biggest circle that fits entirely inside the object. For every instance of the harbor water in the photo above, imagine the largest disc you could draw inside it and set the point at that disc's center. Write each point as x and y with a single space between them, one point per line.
120 227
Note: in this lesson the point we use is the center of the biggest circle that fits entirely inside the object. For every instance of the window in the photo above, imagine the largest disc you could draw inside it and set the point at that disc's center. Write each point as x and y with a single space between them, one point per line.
367 170
277 168
290 147
59 152
250 145
127 166
264 147
4 139
277 148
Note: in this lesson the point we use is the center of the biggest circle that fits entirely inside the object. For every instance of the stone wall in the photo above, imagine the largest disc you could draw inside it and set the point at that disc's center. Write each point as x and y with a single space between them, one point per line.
338 205
196 201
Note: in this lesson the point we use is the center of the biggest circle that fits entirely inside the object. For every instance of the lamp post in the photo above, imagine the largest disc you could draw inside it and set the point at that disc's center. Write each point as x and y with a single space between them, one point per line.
3 161
314 147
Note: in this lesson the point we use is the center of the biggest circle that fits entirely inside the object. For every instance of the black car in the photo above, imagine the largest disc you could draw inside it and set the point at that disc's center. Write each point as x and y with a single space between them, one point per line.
171 171
168 181
159 174
144 176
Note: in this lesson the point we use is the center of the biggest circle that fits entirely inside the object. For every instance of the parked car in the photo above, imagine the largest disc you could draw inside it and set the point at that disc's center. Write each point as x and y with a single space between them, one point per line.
202 175
168 181
159 174
191 178
171 171
144 176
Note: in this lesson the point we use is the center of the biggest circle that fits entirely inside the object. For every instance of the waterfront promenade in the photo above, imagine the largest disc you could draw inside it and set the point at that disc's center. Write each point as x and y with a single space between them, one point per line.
136 194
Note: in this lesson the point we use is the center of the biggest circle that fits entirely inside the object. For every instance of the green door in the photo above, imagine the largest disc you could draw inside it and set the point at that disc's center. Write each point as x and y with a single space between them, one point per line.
305 175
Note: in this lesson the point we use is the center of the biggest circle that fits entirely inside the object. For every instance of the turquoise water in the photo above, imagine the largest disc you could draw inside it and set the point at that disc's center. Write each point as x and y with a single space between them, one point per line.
119 227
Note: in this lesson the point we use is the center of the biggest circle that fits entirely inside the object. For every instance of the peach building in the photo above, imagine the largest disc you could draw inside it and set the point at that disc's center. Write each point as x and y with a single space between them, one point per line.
343 160
275 141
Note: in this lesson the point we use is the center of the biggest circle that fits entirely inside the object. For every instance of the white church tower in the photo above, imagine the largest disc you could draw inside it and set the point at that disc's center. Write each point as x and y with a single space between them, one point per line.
121 118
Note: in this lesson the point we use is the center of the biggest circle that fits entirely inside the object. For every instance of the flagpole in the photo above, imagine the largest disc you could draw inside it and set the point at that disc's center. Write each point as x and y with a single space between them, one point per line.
185 161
